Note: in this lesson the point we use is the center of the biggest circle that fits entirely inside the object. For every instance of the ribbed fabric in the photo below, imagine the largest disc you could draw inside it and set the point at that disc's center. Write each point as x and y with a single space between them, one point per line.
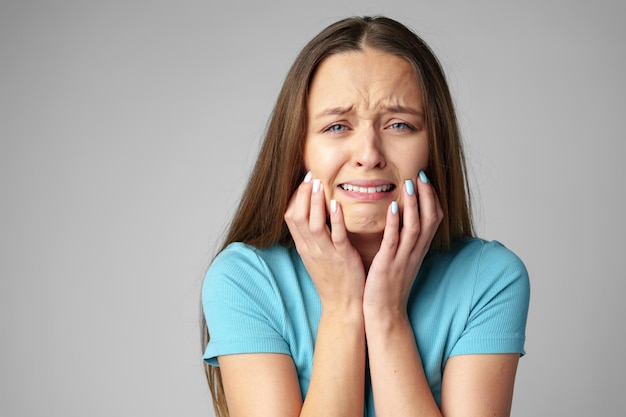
472 299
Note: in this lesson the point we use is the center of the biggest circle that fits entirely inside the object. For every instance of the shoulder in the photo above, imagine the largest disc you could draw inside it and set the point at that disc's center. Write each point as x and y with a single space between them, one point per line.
495 254
498 300
479 266
240 251
482 255
243 267
498 262
242 301
494 269
239 257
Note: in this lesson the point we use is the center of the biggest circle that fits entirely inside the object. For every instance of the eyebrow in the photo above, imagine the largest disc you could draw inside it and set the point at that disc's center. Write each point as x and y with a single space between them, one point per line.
403 109
334 111
339 111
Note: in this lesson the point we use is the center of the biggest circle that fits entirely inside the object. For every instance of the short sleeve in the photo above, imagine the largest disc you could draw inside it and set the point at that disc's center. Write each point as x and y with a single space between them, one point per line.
239 302
496 321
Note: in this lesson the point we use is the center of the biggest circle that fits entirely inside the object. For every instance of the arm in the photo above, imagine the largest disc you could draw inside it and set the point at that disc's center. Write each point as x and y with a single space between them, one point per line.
472 384
260 384
479 385
267 384
399 384
398 380
338 374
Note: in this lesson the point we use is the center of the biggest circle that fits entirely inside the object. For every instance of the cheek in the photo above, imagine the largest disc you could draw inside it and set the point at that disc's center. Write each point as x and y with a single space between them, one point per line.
410 164
313 157
420 156
322 161
307 157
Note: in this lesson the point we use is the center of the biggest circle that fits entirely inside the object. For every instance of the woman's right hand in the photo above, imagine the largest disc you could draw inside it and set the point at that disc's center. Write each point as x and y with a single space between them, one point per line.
333 263
338 371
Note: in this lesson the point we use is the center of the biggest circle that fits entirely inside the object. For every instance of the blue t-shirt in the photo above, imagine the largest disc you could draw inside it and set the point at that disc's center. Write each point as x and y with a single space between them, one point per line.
471 299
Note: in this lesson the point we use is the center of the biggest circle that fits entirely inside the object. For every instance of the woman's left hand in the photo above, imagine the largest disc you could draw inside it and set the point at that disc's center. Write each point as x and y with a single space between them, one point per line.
402 250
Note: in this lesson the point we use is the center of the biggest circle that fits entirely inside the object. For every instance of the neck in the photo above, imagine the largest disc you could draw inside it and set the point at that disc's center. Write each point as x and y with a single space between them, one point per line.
367 245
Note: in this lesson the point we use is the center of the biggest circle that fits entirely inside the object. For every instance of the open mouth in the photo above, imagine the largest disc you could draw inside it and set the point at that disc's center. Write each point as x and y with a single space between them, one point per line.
370 190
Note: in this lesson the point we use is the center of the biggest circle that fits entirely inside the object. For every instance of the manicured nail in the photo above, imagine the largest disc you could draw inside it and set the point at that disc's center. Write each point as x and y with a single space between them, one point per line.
423 177
316 185
333 206
308 176
410 188
394 207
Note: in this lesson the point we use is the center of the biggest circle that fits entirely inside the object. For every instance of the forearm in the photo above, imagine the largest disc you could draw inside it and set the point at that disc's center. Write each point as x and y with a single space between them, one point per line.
338 372
399 384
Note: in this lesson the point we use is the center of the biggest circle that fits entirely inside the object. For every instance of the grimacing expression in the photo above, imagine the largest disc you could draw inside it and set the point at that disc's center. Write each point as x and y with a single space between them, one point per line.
366 133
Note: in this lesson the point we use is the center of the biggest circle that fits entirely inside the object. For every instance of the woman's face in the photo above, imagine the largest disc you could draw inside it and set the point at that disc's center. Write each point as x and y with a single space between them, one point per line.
366 134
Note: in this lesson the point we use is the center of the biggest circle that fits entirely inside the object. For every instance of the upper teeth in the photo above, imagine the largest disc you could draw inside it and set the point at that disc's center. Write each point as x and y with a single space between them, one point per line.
380 188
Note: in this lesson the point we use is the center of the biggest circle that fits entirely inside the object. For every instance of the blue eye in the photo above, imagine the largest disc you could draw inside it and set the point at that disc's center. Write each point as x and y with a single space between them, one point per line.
336 128
401 126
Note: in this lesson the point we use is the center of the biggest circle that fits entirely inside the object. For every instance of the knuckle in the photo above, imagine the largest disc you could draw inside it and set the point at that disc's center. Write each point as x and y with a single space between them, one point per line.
339 240
317 229
298 218
390 243
432 222
412 228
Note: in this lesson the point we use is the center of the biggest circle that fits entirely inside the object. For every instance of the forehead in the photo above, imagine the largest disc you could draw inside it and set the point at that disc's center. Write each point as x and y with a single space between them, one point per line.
366 80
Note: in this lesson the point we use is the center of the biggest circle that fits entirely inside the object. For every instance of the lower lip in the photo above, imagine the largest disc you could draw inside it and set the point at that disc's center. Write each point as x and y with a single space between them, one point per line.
366 196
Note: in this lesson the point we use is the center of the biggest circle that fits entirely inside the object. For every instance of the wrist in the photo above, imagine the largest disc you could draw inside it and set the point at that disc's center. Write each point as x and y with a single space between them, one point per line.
348 313
385 319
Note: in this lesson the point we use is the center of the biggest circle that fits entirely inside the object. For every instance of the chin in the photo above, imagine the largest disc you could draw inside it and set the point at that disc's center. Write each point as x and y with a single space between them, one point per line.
365 225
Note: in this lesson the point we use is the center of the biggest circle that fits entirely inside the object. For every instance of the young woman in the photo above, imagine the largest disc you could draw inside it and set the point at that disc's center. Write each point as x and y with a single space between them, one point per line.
350 282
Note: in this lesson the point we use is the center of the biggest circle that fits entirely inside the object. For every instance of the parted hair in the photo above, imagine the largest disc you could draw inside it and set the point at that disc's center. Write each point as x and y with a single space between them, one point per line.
279 168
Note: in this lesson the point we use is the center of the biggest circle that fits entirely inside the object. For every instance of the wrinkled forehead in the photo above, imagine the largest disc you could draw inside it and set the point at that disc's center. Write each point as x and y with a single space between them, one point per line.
367 81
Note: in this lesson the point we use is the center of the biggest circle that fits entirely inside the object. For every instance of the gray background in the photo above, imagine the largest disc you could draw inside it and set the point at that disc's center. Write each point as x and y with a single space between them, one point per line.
127 130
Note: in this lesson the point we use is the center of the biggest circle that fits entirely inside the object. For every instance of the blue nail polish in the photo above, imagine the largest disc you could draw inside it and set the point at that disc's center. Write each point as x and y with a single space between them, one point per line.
410 188
423 177
394 207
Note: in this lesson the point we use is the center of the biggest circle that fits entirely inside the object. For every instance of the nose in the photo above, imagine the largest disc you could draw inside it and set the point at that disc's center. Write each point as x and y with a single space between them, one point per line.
368 151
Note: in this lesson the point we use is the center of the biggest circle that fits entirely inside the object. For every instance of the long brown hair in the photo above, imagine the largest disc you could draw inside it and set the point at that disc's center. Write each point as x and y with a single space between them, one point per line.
279 168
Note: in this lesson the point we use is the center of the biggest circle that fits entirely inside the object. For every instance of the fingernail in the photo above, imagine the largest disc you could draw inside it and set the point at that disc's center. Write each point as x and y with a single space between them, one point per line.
333 206
410 188
394 207
423 177
308 176
316 185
